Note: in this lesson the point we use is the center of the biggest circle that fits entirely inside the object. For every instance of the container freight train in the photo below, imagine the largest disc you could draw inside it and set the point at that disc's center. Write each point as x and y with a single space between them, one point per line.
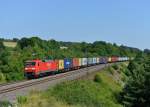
37 68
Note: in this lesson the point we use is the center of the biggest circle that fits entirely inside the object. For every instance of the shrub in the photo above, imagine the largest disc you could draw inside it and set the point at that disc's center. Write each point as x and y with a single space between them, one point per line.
115 66
97 78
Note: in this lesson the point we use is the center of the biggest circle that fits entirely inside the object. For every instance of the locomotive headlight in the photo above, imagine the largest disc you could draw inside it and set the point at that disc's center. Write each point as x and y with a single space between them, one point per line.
26 68
33 68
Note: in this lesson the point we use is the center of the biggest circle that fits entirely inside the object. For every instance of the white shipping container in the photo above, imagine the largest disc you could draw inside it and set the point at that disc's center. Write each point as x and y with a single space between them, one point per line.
84 61
90 61
97 60
94 60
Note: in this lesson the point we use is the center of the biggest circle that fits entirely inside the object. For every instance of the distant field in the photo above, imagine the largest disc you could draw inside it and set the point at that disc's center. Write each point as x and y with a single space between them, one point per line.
10 44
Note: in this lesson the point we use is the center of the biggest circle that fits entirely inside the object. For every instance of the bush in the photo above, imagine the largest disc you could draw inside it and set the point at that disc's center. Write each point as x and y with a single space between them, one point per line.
115 66
97 78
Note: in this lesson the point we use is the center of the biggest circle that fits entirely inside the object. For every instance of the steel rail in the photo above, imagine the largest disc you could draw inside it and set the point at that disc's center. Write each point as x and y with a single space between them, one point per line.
55 77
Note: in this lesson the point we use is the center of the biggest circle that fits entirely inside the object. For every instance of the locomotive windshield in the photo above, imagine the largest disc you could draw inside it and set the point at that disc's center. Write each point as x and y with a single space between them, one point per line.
30 64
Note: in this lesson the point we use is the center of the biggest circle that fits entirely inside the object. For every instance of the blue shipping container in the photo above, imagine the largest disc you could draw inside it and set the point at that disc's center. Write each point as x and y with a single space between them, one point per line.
67 63
103 60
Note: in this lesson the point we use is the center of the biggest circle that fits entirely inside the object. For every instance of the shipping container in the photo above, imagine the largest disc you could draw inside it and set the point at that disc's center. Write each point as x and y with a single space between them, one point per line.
109 59
114 58
84 61
127 58
94 61
80 62
61 64
67 63
124 58
90 61
97 60
119 59
75 62
103 60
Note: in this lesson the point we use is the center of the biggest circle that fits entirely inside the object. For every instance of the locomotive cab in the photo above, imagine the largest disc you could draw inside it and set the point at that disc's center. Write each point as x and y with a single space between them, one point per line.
31 68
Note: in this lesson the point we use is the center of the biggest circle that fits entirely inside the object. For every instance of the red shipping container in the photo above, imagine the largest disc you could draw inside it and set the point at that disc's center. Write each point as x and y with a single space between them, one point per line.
75 62
114 59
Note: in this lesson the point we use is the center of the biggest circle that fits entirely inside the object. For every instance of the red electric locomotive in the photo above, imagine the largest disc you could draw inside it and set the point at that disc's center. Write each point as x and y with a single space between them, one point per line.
36 68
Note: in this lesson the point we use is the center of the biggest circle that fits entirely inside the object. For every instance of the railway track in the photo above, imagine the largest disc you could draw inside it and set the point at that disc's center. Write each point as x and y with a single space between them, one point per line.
9 83
10 91
12 88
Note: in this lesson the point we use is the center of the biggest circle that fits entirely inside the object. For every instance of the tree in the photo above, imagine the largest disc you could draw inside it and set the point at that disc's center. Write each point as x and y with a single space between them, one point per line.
2 47
136 92
15 39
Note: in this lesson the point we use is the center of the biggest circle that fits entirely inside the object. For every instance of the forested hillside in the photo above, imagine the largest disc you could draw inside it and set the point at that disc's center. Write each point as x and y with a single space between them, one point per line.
12 59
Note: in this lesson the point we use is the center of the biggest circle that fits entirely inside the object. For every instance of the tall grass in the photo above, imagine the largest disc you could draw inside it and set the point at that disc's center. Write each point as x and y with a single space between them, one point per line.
101 93
41 99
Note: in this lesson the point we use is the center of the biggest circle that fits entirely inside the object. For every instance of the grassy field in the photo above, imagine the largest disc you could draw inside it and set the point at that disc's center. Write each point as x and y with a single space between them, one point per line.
101 91
10 44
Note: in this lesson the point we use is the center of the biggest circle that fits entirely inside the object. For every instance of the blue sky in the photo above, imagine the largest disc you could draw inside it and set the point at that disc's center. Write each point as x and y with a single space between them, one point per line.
121 21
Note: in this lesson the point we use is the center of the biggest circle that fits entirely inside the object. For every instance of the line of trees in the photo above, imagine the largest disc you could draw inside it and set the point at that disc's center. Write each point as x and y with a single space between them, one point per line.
12 59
